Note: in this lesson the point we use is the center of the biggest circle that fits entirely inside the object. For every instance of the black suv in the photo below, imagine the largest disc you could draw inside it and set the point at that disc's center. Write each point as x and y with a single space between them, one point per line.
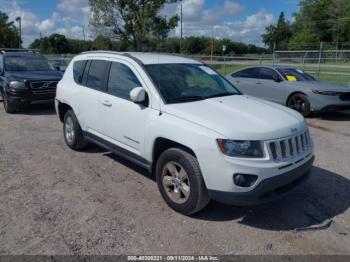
26 77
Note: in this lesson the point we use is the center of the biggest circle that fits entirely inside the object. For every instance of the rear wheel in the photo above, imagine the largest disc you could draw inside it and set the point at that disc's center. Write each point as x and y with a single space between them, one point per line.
300 103
73 135
9 107
180 181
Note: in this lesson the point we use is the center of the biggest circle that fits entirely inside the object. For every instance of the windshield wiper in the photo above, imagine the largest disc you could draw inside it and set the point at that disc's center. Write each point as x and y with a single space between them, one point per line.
220 95
187 99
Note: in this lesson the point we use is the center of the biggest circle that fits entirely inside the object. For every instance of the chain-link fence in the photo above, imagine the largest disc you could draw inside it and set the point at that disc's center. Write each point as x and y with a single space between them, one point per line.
325 65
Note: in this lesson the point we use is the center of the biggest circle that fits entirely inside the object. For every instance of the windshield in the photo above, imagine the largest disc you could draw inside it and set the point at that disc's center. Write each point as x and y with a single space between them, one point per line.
292 74
26 63
188 82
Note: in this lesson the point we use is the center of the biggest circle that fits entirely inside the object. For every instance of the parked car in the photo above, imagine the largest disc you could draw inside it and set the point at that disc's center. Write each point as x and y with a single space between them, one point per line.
26 77
58 64
291 87
185 123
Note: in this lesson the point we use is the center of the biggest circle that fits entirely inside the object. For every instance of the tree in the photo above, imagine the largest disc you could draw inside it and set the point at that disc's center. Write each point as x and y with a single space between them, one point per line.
59 44
135 21
9 37
102 43
321 21
278 35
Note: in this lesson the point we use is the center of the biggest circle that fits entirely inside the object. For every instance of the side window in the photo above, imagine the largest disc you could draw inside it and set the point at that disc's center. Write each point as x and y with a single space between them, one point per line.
97 75
247 73
86 72
78 70
1 63
121 81
268 74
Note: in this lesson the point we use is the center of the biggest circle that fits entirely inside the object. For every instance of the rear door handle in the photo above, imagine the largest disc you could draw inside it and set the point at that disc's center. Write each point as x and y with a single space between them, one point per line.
107 103
258 83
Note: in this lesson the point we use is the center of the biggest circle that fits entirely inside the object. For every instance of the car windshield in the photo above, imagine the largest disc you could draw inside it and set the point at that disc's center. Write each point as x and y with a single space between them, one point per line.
26 63
292 74
180 83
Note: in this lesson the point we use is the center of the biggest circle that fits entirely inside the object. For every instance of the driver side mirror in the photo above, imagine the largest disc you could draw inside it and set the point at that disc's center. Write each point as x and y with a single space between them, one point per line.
138 95
277 79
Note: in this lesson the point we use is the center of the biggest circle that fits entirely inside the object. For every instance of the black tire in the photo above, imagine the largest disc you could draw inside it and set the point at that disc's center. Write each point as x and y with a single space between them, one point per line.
76 141
300 103
9 107
198 197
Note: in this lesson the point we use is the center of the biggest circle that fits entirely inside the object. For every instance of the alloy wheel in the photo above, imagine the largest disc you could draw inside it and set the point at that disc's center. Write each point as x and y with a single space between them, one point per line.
69 130
297 104
176 182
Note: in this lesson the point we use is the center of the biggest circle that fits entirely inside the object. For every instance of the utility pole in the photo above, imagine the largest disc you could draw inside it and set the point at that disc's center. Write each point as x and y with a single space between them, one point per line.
181 14
273 54
212 45
19 20
320 60
84 33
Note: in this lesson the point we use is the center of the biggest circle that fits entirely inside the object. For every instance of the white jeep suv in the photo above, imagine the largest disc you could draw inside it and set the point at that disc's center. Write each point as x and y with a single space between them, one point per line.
186 124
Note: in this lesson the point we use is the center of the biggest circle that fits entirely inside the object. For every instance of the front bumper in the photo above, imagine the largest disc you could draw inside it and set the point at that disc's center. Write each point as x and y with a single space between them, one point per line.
323 103
334 108
25 98
268 190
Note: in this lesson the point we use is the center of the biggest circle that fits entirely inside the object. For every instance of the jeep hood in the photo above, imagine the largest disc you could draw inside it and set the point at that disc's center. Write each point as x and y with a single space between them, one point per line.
240 117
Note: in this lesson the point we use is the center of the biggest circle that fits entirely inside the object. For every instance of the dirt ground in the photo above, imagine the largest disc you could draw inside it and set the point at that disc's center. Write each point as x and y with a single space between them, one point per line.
57 201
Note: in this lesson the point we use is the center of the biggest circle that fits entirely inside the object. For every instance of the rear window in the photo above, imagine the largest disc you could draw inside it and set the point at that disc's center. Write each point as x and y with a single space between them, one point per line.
292 74
78 70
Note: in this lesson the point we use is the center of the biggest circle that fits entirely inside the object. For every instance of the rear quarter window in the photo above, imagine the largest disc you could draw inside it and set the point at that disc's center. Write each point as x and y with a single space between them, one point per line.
78 70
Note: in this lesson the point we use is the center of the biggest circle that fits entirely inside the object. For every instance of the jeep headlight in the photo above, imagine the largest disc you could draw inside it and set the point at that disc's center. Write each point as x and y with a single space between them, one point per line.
239 148
15 85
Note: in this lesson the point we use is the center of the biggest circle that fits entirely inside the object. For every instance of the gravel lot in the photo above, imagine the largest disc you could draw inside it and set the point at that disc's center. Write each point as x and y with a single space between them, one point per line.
56 201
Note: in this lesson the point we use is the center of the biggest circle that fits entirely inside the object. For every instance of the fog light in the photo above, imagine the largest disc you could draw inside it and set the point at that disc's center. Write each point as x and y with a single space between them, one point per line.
243 180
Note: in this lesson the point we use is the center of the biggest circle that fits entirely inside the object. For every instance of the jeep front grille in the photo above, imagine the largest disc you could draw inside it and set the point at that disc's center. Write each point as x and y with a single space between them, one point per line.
290 147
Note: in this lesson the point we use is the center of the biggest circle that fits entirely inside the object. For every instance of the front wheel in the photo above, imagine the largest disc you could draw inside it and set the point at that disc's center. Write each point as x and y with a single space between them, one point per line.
73 135
180 181
9 107
300 103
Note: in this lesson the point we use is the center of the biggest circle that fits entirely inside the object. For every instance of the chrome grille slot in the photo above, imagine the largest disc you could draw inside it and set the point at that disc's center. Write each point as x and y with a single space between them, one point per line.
283 149
289 148
273 150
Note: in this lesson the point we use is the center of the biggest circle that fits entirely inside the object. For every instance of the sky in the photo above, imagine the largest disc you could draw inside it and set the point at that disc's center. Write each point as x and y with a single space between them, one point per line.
239 20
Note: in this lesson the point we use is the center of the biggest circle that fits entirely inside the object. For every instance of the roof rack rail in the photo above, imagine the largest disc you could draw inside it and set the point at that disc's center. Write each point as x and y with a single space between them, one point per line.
5 50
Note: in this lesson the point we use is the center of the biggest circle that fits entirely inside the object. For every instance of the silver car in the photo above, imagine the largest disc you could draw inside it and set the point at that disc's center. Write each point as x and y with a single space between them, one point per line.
291 87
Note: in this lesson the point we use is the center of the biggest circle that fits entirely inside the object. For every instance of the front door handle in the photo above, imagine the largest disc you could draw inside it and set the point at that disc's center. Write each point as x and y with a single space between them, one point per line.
258 83
107 103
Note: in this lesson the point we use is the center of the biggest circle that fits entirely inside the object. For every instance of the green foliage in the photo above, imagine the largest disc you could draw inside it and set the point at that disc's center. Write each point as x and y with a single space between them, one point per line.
102 43
9 37
317 21
278 35
137 23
